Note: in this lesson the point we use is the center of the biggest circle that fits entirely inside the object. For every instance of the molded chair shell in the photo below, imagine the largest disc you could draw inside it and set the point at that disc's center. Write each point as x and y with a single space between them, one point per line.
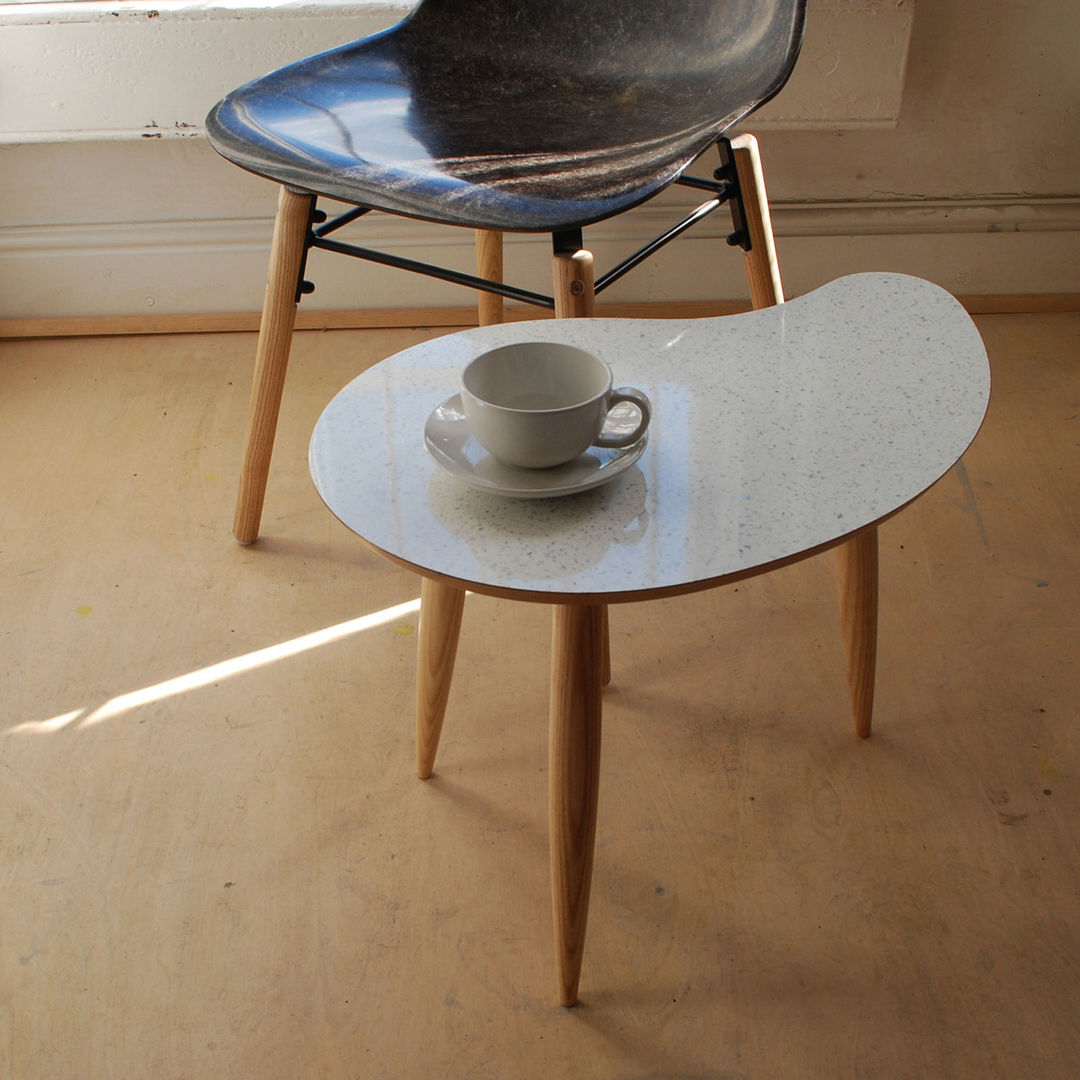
500 116
514 116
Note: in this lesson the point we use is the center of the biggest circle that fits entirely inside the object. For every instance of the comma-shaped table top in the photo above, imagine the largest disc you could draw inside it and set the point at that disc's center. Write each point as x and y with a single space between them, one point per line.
774 435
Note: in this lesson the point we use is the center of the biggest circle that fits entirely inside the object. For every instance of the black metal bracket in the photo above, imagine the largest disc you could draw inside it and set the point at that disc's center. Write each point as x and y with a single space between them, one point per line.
724 188
315 217
728 175
678 228
567 242
456 277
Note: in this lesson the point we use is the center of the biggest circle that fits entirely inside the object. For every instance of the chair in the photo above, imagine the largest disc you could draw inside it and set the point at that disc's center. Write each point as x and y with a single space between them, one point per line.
532 116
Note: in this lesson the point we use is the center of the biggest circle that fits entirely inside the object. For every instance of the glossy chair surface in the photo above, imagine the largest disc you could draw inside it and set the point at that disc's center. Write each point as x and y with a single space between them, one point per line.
522 116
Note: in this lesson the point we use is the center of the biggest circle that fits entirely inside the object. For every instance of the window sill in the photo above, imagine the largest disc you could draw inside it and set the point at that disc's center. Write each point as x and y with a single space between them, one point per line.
138 70
30 12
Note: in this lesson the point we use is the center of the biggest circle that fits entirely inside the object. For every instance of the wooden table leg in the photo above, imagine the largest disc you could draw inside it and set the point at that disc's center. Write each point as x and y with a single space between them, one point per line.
441 608
574 779
857 566
605 659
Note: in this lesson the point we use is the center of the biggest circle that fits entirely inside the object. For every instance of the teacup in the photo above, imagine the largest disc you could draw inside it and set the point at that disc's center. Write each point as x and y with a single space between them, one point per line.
539 404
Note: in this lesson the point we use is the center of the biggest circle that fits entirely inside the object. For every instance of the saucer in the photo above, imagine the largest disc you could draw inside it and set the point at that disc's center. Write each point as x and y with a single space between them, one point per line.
450 442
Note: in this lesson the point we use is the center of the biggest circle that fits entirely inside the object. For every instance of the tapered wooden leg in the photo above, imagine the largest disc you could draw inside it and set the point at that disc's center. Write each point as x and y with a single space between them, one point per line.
441 607
762 265
574 779
605 658
575 298
489 264
271 358
857 566
572 274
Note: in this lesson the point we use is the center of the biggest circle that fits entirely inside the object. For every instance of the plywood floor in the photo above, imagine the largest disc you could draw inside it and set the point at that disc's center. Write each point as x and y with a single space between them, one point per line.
216 862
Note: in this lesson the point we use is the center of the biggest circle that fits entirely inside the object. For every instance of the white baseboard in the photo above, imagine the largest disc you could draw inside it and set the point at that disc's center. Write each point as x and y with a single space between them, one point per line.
177 267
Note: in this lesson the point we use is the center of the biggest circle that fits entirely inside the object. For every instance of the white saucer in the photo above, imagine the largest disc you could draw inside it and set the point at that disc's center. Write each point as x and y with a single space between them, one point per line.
450 443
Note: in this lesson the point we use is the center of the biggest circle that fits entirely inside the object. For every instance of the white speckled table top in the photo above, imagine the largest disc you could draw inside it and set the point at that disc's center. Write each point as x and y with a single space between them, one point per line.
774 434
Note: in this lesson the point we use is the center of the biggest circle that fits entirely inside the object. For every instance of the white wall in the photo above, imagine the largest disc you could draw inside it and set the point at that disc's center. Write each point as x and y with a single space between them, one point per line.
962 169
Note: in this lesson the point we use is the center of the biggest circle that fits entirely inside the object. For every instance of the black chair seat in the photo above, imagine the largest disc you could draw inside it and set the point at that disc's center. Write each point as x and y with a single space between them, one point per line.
471 114
504 116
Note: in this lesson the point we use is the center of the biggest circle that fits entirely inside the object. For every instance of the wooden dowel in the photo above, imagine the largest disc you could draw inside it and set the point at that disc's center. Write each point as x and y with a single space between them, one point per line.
605 658
489 265
574 780
761 263
271 359
575 298
441 608
857 570
572 275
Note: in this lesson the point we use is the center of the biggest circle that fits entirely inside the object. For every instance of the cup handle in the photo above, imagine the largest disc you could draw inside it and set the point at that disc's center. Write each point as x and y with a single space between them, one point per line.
636 397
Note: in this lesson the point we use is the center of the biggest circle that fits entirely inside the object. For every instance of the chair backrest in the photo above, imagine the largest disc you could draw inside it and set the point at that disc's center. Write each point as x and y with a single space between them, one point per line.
681 63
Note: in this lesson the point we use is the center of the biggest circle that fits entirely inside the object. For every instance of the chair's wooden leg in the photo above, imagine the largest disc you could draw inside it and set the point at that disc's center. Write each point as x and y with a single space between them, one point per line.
572 273
271 358
857 560
762 266
857 567
574 780
575 298
489 264
441 608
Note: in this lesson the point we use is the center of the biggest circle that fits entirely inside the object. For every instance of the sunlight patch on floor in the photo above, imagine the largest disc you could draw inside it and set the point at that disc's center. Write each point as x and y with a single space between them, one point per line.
193 680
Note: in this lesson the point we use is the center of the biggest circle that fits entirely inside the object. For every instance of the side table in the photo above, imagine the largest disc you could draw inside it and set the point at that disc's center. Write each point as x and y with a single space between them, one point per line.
776 435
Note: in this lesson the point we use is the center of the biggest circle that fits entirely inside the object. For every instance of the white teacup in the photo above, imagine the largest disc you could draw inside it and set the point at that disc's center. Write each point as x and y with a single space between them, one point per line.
538 404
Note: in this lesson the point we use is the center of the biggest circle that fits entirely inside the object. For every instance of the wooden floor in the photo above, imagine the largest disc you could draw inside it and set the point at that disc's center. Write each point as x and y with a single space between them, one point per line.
216 862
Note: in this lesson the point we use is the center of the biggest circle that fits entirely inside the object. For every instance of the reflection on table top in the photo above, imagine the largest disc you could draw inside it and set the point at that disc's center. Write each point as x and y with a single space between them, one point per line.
773 433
